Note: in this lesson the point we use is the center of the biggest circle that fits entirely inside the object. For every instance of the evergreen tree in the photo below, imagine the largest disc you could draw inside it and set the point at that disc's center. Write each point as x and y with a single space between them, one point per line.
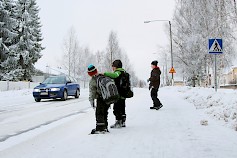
28 47
8 24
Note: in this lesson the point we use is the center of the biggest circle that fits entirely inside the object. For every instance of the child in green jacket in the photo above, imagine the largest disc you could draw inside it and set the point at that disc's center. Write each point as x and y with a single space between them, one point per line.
119 106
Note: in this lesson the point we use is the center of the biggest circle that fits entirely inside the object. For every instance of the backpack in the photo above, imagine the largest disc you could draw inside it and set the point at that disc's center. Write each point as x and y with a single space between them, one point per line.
124 87
108 89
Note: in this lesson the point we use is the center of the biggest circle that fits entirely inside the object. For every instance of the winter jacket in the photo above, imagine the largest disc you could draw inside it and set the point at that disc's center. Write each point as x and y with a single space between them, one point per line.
93 90
155 78
116 76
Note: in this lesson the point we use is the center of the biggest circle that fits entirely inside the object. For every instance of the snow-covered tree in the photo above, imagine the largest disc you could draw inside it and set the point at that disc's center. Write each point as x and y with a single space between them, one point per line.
70 51
100 60
194 23
113 50
8 24
86 58
27 50
75 57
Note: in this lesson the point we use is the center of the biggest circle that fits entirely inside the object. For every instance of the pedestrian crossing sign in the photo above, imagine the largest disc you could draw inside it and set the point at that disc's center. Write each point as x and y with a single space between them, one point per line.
172 70
215 46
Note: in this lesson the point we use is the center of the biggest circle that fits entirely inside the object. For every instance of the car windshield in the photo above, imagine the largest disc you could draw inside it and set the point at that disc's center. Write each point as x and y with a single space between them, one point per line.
55 80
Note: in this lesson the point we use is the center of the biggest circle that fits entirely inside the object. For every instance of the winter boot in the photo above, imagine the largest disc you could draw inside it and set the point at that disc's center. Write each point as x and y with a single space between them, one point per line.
118 124
123 124
154 107
106 130
123 120
94 131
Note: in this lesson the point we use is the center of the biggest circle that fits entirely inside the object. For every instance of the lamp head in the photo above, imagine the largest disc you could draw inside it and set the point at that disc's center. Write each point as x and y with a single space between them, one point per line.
147 21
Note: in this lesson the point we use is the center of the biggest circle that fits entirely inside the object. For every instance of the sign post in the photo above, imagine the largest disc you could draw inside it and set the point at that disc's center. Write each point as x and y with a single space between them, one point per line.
215 47
172 71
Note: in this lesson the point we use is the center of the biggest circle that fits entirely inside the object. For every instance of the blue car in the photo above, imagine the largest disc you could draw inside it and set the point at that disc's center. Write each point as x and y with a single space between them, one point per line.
57 87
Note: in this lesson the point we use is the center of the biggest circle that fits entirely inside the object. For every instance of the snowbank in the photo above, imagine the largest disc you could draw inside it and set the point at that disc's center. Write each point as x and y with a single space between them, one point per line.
221 105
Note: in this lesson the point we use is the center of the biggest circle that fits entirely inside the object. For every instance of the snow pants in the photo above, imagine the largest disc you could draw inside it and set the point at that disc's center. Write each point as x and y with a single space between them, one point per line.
156 101
101 115
119 110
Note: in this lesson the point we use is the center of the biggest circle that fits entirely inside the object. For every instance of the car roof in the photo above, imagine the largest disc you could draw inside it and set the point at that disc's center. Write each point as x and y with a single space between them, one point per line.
58 76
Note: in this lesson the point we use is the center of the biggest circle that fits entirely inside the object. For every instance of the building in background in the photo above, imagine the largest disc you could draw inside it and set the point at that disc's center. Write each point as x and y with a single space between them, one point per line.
229 79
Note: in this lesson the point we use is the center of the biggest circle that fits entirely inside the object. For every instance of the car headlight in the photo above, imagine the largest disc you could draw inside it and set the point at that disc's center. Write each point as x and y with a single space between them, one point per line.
36 90
55 89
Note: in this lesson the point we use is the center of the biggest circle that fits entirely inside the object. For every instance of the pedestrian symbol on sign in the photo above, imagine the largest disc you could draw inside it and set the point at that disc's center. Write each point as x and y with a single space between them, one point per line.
215 46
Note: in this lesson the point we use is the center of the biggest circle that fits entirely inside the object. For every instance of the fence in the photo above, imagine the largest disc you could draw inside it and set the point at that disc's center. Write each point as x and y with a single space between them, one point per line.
9 85
230 86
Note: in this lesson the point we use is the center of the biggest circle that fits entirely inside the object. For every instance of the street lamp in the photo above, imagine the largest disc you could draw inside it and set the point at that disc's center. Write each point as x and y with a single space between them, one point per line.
171 48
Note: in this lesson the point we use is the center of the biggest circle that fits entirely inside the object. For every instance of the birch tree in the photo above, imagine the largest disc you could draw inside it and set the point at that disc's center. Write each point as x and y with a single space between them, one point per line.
76 58
113 50
70 51
194 23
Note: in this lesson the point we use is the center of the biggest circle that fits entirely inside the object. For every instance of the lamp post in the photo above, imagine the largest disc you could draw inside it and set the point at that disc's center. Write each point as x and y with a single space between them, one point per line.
171 48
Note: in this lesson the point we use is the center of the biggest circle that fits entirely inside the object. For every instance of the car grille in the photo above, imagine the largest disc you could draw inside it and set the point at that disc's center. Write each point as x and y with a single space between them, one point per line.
44 89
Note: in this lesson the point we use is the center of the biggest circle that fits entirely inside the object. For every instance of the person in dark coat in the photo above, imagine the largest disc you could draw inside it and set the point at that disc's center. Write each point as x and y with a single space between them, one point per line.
154 85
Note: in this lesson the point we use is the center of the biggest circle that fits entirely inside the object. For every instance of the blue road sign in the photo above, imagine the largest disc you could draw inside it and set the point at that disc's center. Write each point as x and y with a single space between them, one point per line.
215 46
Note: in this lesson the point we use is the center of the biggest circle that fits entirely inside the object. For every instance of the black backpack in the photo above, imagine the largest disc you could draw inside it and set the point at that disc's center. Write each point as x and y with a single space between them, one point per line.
108 89
124 87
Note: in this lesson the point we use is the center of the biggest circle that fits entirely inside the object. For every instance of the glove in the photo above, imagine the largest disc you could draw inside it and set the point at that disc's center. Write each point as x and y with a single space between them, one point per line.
92 104
150 87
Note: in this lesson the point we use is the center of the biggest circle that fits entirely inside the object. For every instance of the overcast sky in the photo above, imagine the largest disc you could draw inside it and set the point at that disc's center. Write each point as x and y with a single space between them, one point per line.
94 19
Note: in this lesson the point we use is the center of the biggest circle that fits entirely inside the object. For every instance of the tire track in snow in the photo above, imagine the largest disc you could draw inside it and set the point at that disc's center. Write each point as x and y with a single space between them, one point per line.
44 124
35 109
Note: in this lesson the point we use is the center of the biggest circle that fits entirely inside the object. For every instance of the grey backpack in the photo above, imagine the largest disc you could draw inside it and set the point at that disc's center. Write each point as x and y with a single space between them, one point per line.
107 89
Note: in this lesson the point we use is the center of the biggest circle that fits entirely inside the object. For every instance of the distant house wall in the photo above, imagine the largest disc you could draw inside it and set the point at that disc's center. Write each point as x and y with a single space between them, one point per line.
229 87
230 77
229 80
178 83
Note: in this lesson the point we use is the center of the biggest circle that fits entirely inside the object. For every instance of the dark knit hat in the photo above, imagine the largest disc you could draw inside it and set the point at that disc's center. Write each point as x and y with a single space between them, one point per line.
92 70
155 62
117 64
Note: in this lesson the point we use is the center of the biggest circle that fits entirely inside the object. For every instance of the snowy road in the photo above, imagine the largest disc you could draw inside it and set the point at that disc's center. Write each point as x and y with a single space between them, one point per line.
21 115
59 129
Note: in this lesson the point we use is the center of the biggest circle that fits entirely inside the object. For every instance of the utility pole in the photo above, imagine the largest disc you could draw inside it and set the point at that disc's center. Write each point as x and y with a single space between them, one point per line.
171 48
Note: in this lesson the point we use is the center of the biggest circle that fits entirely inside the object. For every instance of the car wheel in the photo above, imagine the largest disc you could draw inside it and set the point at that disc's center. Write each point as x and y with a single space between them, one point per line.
64 95
37 99
77 93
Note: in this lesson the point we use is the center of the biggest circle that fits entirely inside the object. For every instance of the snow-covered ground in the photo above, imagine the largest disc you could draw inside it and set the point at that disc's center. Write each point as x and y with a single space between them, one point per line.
194 123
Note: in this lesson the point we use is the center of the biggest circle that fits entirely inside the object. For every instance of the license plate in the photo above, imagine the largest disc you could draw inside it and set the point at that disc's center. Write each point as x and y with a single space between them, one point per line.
44 93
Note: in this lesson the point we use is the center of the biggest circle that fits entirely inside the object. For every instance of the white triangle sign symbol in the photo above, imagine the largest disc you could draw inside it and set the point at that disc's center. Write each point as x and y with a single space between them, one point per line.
215 47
